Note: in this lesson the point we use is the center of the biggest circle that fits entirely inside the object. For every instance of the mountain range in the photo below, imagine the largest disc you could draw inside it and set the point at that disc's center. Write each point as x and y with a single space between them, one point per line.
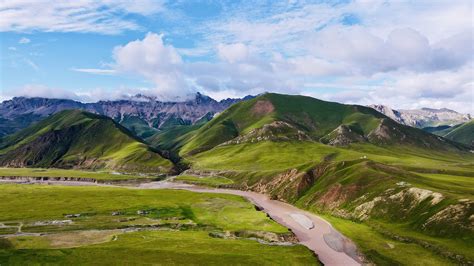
142 114
424 117
350 161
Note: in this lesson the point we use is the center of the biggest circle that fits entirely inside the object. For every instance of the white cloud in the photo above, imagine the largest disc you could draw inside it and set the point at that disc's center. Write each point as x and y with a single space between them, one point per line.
233 52
408 90
157 62
105 16
36 90
24 40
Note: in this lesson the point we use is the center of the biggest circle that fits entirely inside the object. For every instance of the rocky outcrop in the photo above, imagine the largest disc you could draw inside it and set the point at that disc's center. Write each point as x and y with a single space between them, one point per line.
343 135
424 117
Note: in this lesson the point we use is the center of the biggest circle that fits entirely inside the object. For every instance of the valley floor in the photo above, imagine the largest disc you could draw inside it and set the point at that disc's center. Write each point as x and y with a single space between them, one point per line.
44 224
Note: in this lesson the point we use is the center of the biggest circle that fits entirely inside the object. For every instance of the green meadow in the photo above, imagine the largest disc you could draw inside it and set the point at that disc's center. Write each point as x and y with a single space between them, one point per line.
211 181
104 225
93 175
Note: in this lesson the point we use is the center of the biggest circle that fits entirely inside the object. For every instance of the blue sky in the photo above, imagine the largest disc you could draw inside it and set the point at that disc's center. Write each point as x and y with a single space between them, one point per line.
406 54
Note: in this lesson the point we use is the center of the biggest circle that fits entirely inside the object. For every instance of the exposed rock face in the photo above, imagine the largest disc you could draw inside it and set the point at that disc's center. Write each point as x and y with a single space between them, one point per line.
425 117
343 136
23 111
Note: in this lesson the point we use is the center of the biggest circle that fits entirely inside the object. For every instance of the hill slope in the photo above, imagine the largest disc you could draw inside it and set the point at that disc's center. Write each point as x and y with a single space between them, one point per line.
285 117
77 139
400 184
463 133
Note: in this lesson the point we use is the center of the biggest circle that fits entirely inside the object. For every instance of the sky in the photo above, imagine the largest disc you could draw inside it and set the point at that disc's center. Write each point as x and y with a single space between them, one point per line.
404 54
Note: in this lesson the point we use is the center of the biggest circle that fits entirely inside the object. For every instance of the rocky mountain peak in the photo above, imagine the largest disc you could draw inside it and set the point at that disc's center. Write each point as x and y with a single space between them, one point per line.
424 117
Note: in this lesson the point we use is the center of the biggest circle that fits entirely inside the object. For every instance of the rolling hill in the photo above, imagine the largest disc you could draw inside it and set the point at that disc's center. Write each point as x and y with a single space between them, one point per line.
78 139
286 117
397 183
462 133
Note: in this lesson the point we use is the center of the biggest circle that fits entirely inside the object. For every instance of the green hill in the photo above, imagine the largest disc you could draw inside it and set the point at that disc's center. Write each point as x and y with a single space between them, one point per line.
395 184
77 139
285 117
462 133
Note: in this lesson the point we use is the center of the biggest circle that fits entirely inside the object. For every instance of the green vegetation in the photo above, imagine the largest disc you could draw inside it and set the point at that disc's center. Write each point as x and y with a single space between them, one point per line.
189 225
211 181
93 175
287 117
81 140
384 250
138 126
463 133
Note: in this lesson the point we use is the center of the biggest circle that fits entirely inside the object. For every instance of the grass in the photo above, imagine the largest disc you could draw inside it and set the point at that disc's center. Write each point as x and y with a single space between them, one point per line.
96 236
164 247
383 250
361 170
281 156
42 202
79 139
211 181
51 172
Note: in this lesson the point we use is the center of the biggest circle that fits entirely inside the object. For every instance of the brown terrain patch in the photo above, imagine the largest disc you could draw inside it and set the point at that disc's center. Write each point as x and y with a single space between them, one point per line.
81 238
262 107
336 195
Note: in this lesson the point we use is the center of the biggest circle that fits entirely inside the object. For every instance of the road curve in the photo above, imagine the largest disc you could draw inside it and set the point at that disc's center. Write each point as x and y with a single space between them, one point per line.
331 247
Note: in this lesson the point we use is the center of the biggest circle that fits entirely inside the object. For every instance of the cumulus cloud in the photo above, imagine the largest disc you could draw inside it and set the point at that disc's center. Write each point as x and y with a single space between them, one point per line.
403 48
157 62
233 52
402 53
408 90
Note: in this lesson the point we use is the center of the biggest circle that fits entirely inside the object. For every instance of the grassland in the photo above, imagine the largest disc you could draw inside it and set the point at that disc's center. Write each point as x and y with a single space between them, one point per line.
280 156
92 175
174 227
211 181
384 250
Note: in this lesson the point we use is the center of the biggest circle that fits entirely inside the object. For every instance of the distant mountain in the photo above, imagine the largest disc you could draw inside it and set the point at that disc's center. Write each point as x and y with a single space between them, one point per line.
462 133
277 117
424 117
141 114
78 139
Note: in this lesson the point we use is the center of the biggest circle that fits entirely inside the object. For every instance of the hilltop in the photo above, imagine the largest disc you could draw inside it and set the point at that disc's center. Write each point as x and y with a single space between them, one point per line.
286 117
78 139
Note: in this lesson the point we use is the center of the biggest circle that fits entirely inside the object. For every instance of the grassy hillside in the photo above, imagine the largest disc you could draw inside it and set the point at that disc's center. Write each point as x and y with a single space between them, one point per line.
463 133
77 139
130 226
138 126
413 198
286 117
399 185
